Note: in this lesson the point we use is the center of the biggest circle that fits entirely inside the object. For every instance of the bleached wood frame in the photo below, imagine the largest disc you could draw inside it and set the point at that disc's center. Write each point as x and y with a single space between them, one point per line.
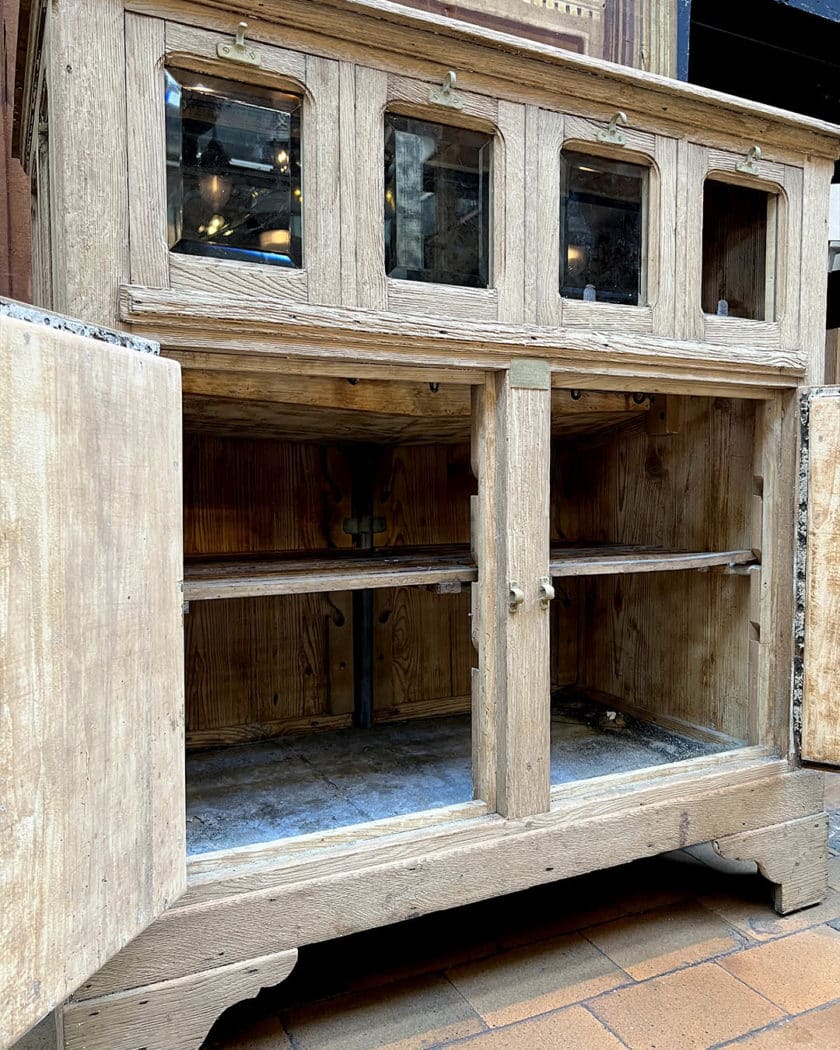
784 185
548 133
154 44
376 93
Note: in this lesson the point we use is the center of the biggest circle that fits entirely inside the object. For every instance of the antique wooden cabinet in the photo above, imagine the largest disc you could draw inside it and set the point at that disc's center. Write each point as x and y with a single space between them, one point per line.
488 538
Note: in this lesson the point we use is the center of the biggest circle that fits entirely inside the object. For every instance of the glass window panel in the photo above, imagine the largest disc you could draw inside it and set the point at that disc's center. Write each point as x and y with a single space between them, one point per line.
233 166
603 219
738 251
437 202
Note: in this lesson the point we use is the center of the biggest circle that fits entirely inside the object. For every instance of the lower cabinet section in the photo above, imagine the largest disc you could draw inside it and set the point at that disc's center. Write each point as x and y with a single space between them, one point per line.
237 930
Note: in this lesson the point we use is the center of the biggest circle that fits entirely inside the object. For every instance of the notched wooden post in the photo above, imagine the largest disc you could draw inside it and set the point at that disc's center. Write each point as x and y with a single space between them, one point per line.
522 472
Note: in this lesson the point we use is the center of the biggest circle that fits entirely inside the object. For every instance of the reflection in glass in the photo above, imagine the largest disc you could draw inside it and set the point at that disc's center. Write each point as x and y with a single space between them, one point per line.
603 207
437 202
233 168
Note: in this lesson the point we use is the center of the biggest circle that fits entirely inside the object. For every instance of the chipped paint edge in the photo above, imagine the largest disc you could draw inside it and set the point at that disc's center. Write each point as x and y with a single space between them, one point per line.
25 312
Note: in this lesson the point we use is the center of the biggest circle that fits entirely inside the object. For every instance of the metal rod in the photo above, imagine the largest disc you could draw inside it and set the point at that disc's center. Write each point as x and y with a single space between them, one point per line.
362 502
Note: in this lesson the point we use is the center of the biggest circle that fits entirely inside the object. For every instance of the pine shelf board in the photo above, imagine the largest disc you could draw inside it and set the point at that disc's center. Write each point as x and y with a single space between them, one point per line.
206 579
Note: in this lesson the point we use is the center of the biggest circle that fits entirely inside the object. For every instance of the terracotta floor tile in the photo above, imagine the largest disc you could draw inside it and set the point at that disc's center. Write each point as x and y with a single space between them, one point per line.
691 1009
533 980
263 1033
817 1030
656 942
757 920
408 1016
571 1029
798 972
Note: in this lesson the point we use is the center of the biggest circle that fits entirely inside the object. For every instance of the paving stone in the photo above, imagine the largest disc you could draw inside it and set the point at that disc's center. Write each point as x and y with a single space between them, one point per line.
574 1028
817 1030
757 920
655 942
406 1016
691 1009
798 972
533 980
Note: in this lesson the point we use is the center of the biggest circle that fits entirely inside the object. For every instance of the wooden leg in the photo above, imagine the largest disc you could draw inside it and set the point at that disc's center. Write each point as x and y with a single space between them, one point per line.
793 856
172 1015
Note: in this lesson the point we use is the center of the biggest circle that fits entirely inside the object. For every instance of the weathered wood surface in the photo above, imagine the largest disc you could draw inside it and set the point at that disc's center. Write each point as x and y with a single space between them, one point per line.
91 666
210 579
172 1015
821 697
793 856
379 883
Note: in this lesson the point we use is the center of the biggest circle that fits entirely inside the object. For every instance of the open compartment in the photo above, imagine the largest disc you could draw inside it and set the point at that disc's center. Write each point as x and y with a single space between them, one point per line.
328 651
651 561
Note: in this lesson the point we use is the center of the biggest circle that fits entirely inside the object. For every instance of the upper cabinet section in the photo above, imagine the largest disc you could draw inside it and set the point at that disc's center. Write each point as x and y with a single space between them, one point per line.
355 154
232 165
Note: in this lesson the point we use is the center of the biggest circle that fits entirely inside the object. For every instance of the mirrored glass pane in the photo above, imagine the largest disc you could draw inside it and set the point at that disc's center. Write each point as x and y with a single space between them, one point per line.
437 202
603 206
233 166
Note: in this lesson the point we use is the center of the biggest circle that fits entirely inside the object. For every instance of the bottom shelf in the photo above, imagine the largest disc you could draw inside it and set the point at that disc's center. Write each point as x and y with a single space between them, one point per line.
278 788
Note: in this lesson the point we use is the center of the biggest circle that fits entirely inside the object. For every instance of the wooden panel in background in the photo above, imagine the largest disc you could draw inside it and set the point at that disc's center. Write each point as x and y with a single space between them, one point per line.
260 667
249 495
674 643
422 654
424 495
677 642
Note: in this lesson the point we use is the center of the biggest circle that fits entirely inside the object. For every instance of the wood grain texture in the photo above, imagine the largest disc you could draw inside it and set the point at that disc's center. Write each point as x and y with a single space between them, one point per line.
424 871
145 46
674 642
92 656
426 44
347 180
172 1015
89 206
201 321
793 856
821 701
251 496
322 255
231 277
260 667
422 653
815 196
510 191
522 647
365 153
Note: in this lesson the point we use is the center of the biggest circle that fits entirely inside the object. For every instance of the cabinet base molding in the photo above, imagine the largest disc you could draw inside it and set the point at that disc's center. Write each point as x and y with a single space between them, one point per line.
793 856
170 1015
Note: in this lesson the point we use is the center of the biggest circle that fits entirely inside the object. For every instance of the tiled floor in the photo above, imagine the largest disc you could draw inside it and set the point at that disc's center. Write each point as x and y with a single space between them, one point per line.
665 954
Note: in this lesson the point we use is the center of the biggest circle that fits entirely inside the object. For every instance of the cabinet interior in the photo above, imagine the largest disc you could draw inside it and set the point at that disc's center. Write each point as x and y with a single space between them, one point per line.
328 571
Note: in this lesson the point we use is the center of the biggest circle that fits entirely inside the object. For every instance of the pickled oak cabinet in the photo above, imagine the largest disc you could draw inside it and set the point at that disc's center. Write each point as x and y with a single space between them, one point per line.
457 514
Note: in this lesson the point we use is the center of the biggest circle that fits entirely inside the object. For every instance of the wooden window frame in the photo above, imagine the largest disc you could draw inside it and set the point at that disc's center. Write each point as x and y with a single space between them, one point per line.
785 183
550 133
153 45
378 93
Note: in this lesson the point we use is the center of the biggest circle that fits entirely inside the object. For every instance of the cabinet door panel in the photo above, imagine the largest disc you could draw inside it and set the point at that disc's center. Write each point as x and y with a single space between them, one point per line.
820 694
91 658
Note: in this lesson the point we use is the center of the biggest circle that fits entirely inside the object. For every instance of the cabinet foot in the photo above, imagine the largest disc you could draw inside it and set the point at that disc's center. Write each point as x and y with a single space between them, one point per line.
793 856
172 1015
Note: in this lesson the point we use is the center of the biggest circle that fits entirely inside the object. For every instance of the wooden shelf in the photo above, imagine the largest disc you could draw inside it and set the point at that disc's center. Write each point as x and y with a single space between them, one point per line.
420 567
607 559
246 578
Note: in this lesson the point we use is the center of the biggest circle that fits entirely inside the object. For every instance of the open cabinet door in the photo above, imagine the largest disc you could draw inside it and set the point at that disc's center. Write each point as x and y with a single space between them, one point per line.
820 489
91 671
